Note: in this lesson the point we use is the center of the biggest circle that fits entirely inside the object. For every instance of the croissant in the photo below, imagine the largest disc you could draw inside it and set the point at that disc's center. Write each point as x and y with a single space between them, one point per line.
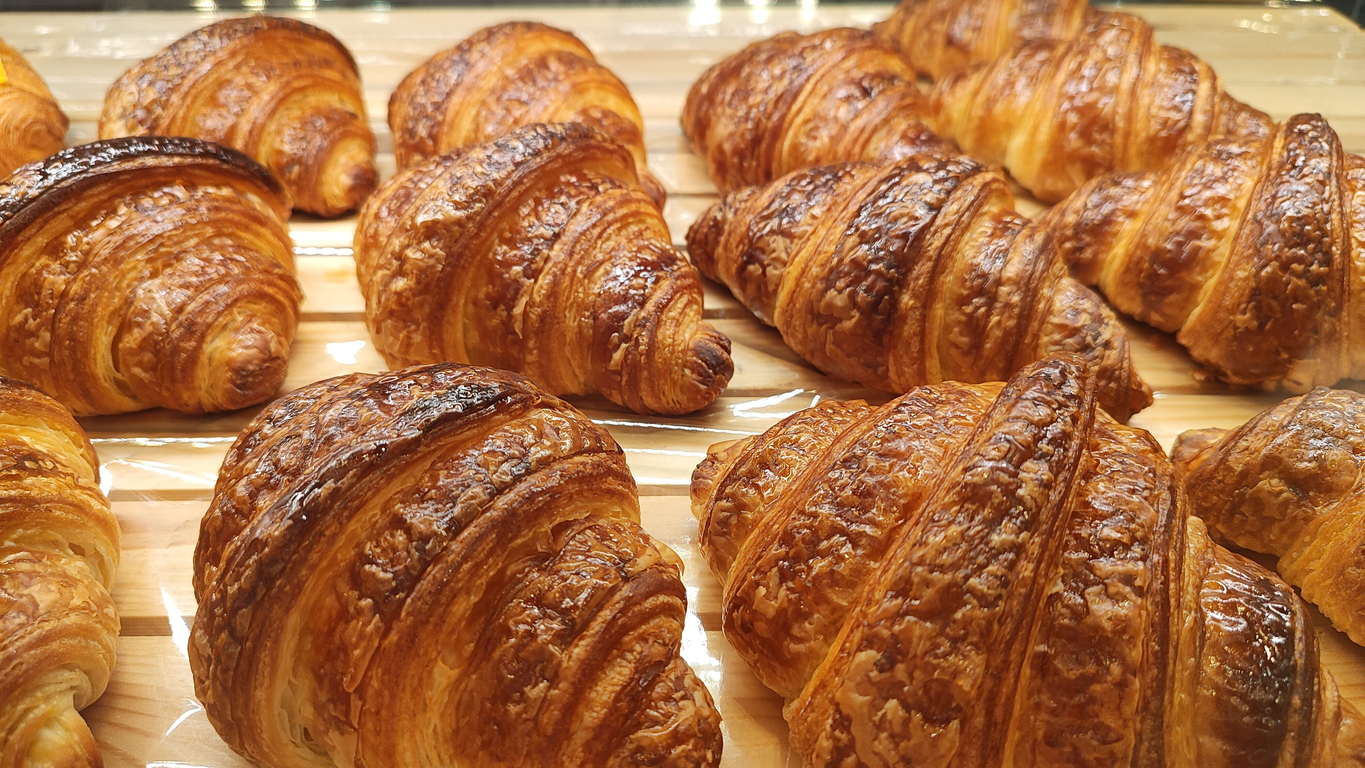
282 91
939 37
988 575
1242 248
1291 483
144 272
506 77
59 549
32 126
439 566
796 101
910 273
1056 114
537 252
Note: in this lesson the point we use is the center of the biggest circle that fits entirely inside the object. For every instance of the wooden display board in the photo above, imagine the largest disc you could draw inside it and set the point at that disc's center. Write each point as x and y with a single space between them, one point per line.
159 467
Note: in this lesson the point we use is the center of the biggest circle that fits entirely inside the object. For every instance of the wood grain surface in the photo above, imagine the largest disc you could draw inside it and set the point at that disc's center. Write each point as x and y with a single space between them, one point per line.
159 467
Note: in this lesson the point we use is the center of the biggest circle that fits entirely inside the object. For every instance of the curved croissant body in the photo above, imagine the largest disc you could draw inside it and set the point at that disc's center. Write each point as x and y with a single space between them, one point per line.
506 77
282 91
537 252
32 126
1251 252
797 101
944 36
988 576
1291 483
1058 113
439 566
144 272
915 272
59 549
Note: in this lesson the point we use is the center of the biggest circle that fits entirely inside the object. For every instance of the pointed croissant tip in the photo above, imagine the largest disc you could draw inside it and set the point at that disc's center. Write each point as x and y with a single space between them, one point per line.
246 368
349 179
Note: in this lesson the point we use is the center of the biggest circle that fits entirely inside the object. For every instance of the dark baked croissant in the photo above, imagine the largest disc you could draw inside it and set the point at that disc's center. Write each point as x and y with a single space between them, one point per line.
943 36
1242 248
144 272
797 101
1291 483
59 548
440 566
537 252
506 77
32 126
282 91
1056 114
978 576
911 273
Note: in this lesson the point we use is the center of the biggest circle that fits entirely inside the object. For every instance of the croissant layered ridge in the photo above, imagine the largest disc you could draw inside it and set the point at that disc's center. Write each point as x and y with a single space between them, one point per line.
1058 113
911 273
1251 252
144 272
796 101
506 77
991 575
59 550
32 124
1291 483
439 566
538 252
282 91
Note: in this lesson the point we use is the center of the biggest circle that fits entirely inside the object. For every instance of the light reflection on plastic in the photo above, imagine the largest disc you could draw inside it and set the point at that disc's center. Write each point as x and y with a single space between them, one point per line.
180 632
344 352
173 764
744 410
106 481
667 452
704 13
194 709
696 651
680 427
166 470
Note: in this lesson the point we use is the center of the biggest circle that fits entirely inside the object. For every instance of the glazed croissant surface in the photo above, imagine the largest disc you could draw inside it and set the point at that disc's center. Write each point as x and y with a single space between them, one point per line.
503 78
1057 113
1250 251
538 252
999 575
144 272
1291 483
944 36
439 566
282 91
32 125
907 274
59 549
796 101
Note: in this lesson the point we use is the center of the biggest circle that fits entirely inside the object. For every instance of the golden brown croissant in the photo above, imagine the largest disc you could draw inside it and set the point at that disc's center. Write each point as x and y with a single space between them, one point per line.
1056 114
506 77
537 252
143 272
59 549
978 576
796 101
440 566
282 91
911 273
1242 248
1291 483
944 36
32 126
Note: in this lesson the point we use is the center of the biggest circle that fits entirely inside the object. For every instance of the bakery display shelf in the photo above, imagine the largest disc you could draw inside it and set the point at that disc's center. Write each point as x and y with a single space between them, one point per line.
159 467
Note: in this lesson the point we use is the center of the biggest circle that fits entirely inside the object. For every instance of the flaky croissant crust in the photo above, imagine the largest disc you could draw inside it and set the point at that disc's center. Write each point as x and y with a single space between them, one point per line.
505 77
32 125
537 252
59 550
1291 483
282 91
439 566
915 272
143 272
988 575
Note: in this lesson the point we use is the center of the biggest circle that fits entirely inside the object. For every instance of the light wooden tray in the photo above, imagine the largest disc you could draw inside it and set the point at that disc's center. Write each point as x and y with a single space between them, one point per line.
159 467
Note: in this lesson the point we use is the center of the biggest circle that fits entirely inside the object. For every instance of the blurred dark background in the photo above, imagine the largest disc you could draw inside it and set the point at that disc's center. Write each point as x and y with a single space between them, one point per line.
1352 8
